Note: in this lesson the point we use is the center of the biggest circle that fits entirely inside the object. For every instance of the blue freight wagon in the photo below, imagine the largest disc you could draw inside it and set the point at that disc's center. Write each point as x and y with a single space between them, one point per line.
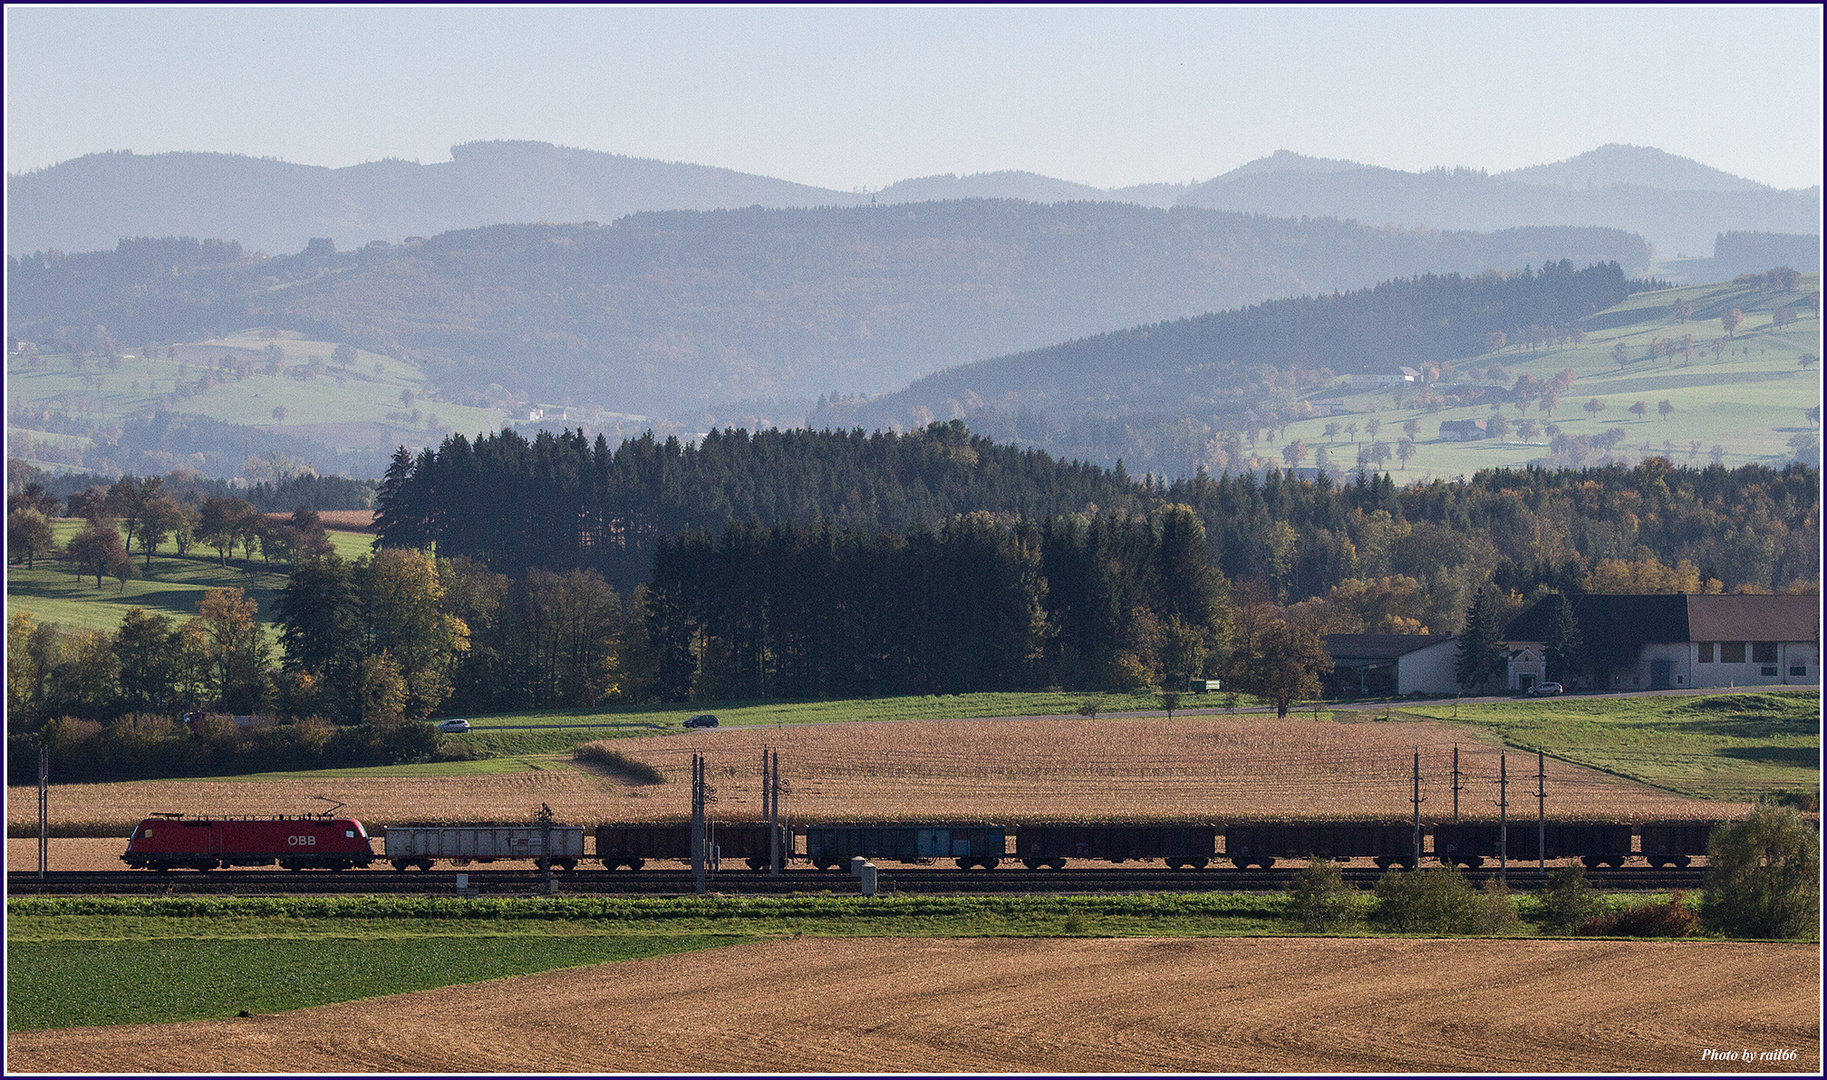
829 847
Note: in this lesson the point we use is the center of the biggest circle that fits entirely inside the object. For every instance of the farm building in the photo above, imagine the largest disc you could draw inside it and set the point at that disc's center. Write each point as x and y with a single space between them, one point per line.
1667 642
1378 665
1462 430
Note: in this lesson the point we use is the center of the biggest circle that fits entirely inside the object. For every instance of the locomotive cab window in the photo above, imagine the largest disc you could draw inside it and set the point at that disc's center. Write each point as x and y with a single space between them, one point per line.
350 833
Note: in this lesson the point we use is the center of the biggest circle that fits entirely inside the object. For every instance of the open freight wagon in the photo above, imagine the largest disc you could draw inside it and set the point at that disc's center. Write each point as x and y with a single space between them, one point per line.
1594 843
829 847
1180 846
1260 844
547 846
634 846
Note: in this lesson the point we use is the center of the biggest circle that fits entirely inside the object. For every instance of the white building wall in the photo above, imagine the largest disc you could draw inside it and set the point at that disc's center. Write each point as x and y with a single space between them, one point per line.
1526 665
1429 670
1801 663
1687 671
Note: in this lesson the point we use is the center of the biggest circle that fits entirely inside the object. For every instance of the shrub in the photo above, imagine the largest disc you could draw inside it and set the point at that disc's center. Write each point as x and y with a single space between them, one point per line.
1808 802
1319 897
1673 918
1436 901
1091 705
616 761
1495 912
1764 880
1567 901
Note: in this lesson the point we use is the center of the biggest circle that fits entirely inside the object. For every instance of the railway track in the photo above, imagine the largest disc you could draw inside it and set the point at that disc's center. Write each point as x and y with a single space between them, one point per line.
893 880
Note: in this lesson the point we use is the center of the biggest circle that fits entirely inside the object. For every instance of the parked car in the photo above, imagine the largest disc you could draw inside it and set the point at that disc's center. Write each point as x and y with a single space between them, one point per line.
702 720
453 727
1546 689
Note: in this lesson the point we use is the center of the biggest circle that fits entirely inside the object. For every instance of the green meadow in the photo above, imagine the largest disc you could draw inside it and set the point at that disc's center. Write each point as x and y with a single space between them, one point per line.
53 592
372 388
1736 746
1749 400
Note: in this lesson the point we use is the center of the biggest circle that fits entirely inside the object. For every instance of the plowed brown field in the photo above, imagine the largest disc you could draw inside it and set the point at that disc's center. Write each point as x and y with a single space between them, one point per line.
893 1005
1200 768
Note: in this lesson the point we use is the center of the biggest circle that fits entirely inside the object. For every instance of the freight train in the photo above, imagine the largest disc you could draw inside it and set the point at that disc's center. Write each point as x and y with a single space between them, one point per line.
325 841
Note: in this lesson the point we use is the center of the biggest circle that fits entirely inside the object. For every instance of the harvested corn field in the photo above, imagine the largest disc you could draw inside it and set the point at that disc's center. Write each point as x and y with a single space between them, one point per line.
1201 768
1043 1005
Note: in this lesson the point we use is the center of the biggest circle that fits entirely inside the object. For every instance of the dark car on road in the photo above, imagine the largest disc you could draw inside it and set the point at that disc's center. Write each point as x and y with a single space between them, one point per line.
702 720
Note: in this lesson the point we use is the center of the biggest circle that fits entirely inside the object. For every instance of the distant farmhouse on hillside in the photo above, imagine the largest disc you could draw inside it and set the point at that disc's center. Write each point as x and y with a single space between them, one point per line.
1463 430
1665 642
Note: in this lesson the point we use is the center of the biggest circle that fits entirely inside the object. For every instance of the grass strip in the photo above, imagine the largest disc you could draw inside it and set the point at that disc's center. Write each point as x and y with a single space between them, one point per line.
849 908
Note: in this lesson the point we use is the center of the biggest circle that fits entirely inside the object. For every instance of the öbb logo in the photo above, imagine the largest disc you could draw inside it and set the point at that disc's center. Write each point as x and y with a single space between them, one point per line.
301 841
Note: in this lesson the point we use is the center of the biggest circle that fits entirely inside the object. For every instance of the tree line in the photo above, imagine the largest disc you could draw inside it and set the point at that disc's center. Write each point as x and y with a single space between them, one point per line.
1235 577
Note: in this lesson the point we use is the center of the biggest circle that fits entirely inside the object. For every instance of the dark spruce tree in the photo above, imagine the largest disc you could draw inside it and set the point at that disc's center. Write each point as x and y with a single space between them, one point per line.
1563 649
1481 649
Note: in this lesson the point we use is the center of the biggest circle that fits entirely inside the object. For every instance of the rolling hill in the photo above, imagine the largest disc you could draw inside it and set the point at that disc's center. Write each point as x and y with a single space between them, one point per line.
1232 391
691 314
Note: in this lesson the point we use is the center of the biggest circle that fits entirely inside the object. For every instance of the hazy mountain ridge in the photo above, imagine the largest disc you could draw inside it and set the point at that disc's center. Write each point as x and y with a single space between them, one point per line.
1675 220
90 203
1622 164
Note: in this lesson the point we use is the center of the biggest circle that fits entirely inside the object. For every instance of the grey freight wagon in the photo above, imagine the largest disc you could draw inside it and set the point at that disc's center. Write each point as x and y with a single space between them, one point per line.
546 845
1180 846
831 846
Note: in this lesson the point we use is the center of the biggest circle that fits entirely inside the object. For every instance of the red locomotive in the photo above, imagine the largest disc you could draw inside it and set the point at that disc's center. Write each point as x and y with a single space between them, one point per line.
307 842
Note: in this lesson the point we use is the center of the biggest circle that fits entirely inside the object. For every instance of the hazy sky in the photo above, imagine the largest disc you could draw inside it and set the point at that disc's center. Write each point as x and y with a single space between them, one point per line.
851 97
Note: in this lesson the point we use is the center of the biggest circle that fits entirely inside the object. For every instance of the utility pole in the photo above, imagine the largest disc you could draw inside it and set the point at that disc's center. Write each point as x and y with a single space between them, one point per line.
1417 800
1503 820
44 809
1541 811
774 851
697 820
1457 785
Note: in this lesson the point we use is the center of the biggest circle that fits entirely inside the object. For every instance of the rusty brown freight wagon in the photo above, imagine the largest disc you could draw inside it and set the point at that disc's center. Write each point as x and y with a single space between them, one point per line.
1674 843
1261 843
633 845
1594 843
1180 846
